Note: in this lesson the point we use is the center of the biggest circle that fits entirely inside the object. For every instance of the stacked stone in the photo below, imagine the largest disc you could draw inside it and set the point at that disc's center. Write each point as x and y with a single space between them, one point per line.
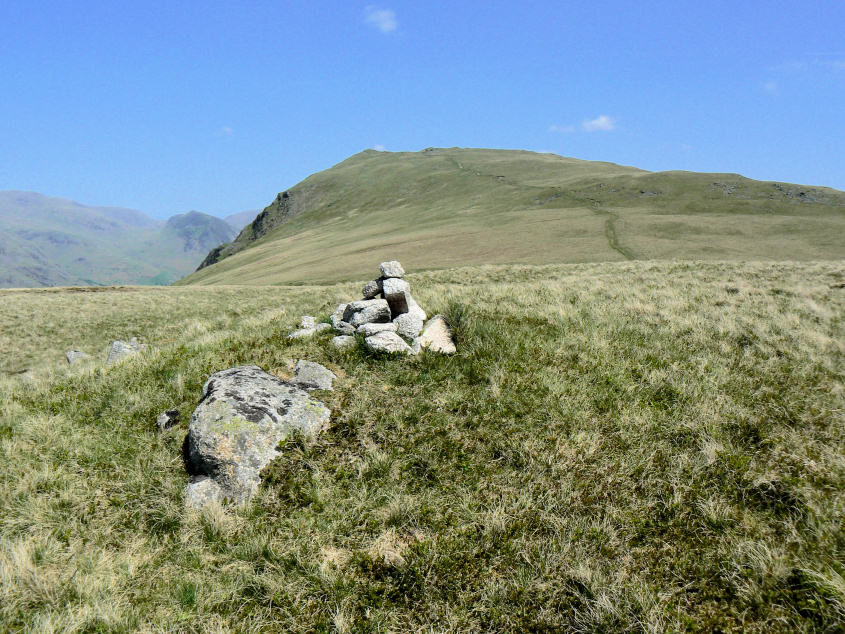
386 313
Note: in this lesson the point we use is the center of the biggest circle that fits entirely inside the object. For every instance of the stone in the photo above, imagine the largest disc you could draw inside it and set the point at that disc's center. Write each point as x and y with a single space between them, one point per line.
343 342
367 311
312 376
119 350
167 419
307 322
303 333
238 426
201 492
387 342
370 329
371 289
344 328
415 309
322 327
75 356
391 269
436 336
337 315
409 324
396 293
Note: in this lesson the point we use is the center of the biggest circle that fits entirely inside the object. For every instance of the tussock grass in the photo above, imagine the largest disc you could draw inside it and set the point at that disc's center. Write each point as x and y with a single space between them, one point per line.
618 447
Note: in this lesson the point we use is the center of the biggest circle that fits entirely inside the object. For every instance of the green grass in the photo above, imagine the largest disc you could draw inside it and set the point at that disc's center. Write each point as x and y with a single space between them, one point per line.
443 208
615 447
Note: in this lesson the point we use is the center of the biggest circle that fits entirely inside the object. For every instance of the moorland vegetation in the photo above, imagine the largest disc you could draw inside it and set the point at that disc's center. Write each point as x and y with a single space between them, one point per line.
623 446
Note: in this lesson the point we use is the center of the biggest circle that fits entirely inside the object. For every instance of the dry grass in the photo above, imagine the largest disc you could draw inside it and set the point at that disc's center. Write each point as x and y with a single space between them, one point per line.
618 447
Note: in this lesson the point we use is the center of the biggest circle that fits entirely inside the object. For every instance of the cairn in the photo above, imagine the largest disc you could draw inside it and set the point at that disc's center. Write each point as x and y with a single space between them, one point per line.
387 316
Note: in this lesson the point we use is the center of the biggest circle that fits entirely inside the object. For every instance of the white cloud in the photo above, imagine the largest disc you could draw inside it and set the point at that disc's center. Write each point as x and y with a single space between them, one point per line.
563 129
379 148
225 131
771 87
601 123
382 19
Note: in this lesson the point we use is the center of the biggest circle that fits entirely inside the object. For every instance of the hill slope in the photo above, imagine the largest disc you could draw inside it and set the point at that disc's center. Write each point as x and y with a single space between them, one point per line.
450 207
46 241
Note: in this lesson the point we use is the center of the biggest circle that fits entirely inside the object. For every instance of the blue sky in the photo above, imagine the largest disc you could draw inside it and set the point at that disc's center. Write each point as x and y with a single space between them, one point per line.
217 106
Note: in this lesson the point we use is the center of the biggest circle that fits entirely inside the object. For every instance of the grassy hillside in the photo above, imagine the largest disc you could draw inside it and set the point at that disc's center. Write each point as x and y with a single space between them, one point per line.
615 447
47 241
452 207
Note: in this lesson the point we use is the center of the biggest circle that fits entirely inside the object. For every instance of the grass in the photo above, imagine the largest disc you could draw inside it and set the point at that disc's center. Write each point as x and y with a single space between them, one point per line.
443 208
615 447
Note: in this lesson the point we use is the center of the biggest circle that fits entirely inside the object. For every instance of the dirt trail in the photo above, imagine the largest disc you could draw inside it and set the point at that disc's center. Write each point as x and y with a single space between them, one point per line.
610 233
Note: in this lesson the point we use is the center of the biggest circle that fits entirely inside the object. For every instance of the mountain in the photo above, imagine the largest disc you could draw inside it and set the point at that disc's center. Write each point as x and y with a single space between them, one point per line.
47 241
241 219
456 207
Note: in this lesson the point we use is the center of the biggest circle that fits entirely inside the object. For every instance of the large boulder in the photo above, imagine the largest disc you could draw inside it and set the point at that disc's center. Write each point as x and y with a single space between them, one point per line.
391 269
236 430
120 350
367 311
387 342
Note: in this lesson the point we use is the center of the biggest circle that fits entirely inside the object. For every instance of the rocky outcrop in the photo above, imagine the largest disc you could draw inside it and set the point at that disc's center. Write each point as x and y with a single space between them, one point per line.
237 428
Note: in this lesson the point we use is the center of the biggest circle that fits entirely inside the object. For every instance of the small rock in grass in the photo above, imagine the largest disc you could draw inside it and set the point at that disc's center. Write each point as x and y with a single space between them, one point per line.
343 342
391 269
313 376
307 322
303 333
322 327
121 349
75 356
167 419
408 324
370 329
436 336
387 342
371 289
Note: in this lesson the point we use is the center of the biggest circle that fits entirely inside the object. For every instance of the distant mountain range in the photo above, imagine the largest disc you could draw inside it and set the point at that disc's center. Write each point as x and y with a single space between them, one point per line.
47 241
